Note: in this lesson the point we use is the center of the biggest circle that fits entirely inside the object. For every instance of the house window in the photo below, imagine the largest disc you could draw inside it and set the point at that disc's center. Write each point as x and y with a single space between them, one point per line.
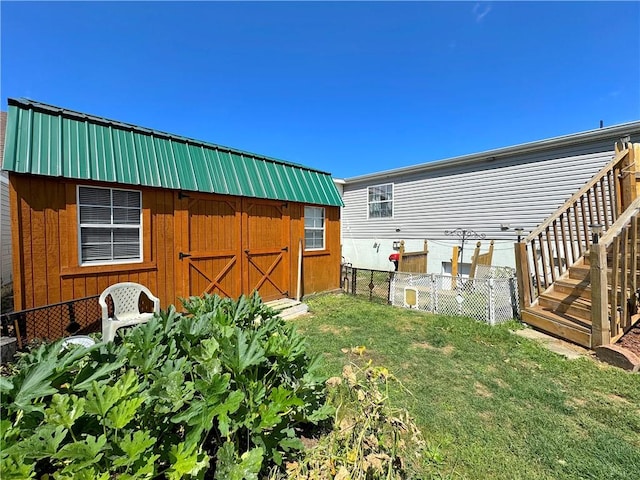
381 201
109 225
313 228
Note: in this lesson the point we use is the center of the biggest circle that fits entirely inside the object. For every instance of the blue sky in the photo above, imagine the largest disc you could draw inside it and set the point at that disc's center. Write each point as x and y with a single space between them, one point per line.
346 87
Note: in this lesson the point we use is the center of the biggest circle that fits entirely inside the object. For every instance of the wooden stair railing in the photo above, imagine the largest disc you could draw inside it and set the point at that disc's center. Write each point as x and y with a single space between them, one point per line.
565 237
614 278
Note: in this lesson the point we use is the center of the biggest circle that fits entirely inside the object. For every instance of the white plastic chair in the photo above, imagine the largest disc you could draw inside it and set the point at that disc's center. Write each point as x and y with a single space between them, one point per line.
125 296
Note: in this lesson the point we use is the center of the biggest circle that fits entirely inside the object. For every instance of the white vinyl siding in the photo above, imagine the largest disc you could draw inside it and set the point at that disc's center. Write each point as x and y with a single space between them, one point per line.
517 190
380 203
314 228
5 232
109 225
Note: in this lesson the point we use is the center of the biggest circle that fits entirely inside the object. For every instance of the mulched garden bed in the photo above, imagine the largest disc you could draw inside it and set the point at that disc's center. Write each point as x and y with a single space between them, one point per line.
631 340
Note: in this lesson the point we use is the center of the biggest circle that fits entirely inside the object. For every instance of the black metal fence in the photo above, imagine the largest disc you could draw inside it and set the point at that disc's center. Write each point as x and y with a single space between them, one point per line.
372 284
51 322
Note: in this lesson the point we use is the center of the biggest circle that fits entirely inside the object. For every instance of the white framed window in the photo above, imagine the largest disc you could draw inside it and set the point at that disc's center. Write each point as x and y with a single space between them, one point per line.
314 228
109 225
380 201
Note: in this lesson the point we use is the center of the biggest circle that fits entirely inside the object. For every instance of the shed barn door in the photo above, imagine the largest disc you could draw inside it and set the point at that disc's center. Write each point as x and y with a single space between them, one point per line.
266 249
211 257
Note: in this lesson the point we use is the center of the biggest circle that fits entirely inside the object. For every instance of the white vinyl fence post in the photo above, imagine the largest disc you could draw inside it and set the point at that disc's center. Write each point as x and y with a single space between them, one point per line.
459 296
492 303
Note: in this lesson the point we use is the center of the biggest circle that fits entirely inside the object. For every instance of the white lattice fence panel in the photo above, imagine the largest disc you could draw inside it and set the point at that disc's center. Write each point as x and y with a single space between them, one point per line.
489 299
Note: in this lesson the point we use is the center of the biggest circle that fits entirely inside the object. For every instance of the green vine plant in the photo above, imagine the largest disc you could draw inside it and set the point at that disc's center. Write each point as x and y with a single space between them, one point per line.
223 391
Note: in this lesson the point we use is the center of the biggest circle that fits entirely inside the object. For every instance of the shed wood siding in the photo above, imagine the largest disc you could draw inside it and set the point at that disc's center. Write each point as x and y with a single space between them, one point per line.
209 227
516 190
320 268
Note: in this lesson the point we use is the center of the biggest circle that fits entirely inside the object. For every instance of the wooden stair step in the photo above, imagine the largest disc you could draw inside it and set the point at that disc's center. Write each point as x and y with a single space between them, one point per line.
580 272
582 288
567 304
559 325
570 285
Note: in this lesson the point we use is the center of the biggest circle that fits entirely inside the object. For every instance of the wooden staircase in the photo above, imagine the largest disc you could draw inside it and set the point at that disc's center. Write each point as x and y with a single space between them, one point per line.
570 277
565 309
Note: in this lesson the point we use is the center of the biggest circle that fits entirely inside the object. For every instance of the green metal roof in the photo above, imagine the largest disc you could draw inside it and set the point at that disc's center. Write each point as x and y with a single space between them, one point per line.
46 140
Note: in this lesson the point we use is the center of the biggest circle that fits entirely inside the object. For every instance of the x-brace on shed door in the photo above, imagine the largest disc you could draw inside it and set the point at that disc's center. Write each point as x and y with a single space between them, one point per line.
231 246
266 249
210 253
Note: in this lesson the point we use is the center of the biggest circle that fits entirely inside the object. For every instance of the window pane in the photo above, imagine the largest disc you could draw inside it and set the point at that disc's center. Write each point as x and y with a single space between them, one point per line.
380 210
126 235
314 227
95 215
115 243
126 216
313 216
126 198
95 235
94 196
380 193
92 253
313 222
123 251
313 239
381 201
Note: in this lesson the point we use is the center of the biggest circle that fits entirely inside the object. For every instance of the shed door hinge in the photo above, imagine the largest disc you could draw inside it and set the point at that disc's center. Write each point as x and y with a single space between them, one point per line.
183 255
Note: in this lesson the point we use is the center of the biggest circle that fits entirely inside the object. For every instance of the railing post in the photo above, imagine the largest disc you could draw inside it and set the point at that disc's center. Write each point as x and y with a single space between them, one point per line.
522 273
628 178
600 326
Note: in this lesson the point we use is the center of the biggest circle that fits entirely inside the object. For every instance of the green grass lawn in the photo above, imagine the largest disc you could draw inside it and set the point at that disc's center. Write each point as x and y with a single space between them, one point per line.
495 405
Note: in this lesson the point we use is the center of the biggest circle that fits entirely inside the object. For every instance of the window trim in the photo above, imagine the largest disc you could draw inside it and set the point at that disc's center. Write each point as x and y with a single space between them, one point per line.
80 226
323 228
369 217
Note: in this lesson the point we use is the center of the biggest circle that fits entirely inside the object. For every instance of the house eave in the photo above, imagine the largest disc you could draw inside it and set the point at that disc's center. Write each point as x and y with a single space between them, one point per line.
620 130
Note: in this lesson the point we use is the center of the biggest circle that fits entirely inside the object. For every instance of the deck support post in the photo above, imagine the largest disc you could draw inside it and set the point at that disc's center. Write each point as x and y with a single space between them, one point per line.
600 325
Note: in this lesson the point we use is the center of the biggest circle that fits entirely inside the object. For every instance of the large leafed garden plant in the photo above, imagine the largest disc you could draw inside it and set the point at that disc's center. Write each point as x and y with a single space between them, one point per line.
223 391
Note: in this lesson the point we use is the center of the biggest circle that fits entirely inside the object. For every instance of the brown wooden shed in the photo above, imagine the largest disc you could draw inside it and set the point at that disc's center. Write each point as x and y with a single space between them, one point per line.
96 201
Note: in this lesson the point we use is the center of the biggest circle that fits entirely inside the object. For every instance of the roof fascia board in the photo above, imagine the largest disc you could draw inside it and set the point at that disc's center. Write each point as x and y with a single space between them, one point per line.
523 148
